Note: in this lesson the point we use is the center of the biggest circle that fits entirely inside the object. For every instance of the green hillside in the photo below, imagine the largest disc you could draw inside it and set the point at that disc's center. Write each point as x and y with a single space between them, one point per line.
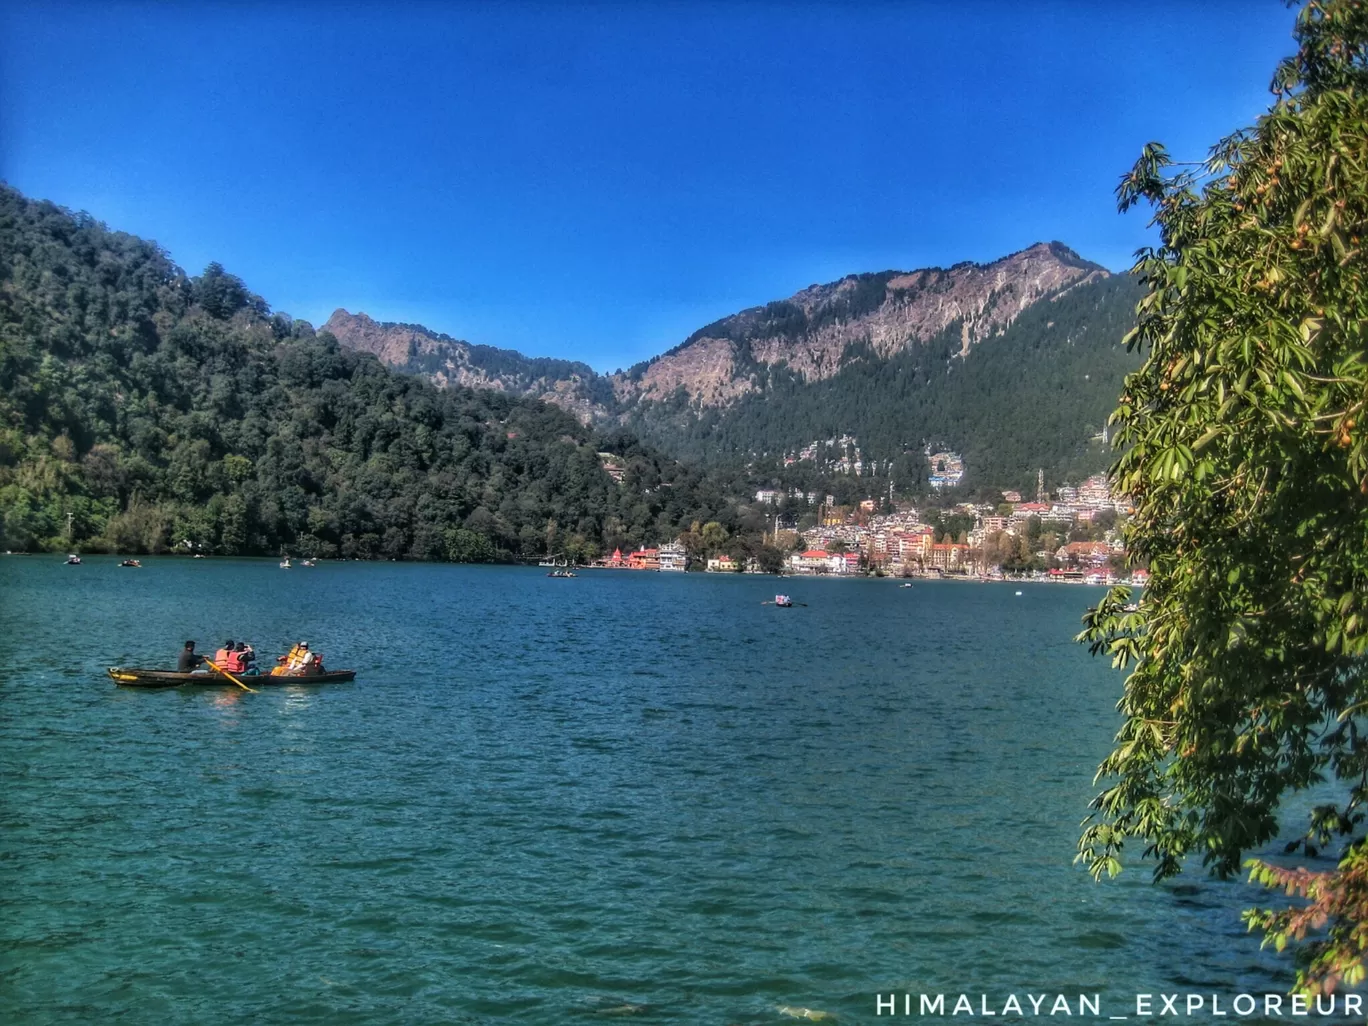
1026 399
141 408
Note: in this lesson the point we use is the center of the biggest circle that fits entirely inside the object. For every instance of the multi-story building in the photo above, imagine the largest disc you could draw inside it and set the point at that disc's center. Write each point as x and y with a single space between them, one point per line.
673 557
1084 553
1095 491
947 469
813 561
644 559
949 556
915 546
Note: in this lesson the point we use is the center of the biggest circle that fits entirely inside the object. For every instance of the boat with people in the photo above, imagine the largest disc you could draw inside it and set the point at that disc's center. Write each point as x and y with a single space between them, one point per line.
132 677
285 563
73 560
231 664
562 573
783 601
131 562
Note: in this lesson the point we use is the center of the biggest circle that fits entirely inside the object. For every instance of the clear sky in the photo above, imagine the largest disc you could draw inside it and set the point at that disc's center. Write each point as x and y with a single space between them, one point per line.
597 181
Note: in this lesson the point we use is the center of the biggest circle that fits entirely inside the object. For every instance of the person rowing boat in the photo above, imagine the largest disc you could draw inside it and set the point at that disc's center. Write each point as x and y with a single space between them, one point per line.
189 659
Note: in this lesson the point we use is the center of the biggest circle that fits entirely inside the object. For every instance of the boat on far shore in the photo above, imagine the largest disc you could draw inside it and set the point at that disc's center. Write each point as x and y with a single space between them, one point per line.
73 560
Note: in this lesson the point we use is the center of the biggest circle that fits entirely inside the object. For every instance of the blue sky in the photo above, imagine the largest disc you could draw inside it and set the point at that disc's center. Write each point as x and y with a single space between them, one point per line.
597 181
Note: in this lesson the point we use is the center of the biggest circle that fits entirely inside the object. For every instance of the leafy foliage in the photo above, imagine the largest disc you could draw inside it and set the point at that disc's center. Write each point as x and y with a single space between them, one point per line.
152 409
1248 467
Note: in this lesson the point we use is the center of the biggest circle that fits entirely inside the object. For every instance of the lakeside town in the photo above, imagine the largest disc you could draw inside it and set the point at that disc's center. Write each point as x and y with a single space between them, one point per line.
1071 536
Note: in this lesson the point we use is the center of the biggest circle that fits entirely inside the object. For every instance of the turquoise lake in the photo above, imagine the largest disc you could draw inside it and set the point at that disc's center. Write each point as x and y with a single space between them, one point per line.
637 796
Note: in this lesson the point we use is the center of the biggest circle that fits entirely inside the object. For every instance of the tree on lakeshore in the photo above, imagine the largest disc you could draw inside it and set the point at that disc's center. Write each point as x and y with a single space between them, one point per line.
1245 458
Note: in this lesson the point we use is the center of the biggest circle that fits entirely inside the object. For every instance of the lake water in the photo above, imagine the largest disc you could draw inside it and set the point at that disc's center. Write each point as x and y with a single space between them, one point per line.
644 796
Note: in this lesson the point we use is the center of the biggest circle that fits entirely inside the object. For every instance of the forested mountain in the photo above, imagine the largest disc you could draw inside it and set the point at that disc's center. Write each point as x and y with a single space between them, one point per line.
1031 396
142 409
1015 363
411 348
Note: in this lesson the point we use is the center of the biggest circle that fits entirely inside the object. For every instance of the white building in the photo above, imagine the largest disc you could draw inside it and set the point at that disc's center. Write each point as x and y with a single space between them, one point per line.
673 557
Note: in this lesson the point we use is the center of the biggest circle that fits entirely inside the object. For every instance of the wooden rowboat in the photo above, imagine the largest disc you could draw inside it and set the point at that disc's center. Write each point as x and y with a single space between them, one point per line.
132 678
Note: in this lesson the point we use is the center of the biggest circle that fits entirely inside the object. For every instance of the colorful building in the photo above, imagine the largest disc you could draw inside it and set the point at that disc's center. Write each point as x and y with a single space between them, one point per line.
644 559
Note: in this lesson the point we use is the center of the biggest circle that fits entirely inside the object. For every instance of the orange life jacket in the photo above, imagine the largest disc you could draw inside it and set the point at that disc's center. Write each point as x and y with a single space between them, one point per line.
221 658
236 662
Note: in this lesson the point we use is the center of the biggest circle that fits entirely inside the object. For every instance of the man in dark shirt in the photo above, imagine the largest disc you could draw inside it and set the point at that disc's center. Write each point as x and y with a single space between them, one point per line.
189 658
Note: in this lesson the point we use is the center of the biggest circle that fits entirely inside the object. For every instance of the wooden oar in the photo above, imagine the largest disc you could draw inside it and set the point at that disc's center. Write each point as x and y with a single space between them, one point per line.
230 676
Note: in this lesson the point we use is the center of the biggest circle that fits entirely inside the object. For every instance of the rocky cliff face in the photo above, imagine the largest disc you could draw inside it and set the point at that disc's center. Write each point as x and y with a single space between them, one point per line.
813 332
453 362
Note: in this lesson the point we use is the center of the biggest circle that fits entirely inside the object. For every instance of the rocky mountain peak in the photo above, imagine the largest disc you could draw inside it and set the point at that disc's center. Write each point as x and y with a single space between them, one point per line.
889 311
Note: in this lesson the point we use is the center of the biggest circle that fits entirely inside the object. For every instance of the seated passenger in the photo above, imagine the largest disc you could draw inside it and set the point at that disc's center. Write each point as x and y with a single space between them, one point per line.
221 656
305 663
247 659
296 660
233 662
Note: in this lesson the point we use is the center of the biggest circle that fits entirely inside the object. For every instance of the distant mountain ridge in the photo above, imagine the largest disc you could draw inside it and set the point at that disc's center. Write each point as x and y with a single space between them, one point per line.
809 333
448 361
888 312
886 329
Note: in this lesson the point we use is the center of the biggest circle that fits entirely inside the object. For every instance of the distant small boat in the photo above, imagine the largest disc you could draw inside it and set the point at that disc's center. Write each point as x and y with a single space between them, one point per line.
73 560
285 563
562 573
783 601
198 555
905 585
307 562
130 562
1131 607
